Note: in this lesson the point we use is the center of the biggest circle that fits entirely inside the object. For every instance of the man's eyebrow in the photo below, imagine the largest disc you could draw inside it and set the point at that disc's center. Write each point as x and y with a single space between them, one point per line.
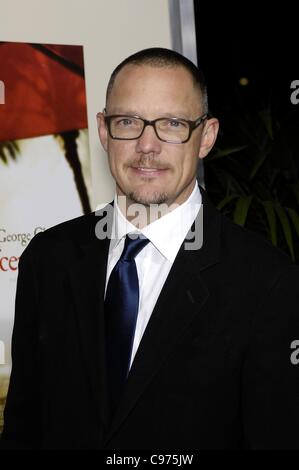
134 112
181 115
124 111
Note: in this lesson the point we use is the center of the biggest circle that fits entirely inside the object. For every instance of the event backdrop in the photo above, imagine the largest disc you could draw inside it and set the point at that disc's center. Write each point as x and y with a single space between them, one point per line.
44 159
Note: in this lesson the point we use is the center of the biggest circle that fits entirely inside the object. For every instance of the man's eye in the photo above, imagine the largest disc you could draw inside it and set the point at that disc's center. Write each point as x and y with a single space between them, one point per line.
125 122
176 124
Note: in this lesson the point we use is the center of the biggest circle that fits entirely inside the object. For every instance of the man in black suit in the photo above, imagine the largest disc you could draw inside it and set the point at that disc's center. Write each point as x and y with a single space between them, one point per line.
209 360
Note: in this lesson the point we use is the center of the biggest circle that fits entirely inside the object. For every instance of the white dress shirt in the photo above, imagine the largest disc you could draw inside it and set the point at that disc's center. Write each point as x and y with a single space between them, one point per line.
153 262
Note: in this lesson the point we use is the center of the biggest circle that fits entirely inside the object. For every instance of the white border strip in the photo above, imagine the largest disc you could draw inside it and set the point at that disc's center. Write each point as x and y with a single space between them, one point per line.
183 40
182 24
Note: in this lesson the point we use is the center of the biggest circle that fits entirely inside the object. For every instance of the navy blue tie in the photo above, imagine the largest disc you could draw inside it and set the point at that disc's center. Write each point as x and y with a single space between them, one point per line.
121 310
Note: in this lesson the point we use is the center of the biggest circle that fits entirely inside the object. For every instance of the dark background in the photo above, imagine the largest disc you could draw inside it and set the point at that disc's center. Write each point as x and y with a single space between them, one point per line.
255 161
245 41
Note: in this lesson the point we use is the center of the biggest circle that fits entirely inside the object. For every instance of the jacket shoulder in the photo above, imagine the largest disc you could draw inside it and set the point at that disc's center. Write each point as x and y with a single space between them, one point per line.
78 231
251 247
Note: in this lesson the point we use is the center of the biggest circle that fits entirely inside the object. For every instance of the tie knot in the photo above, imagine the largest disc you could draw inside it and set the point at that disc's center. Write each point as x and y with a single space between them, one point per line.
132 247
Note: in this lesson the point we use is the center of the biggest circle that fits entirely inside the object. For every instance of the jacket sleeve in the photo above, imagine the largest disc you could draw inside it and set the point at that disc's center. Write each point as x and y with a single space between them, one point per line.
22 414
270 392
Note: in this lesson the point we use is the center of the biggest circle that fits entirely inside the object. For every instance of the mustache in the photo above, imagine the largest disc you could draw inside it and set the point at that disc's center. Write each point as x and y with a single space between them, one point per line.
146 161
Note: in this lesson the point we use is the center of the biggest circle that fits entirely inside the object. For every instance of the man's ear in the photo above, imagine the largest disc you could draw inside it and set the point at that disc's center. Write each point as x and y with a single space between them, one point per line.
208 137
102 130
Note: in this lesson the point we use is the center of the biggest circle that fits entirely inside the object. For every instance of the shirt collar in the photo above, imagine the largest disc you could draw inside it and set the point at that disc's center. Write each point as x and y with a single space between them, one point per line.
166 233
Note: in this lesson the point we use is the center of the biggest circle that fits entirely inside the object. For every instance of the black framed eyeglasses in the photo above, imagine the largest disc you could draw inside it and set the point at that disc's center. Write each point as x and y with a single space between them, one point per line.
172 130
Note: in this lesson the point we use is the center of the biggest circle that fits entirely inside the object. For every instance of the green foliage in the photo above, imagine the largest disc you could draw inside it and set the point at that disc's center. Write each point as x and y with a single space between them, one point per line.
252 175
8 149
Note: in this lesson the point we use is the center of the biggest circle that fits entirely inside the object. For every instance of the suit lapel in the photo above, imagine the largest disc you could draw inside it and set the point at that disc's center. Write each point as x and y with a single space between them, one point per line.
182 298
88 276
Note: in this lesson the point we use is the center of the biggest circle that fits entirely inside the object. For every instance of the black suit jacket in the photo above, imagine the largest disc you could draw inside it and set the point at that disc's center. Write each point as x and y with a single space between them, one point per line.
212 371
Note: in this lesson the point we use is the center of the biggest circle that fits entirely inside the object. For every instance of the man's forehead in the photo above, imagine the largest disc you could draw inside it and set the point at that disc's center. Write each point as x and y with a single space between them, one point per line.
153 70
173 81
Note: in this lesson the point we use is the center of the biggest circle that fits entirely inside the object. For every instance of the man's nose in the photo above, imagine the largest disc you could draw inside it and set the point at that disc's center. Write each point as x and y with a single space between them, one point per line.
148 141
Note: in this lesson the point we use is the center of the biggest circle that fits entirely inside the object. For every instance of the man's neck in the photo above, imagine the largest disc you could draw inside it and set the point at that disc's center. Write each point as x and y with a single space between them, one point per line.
141 215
